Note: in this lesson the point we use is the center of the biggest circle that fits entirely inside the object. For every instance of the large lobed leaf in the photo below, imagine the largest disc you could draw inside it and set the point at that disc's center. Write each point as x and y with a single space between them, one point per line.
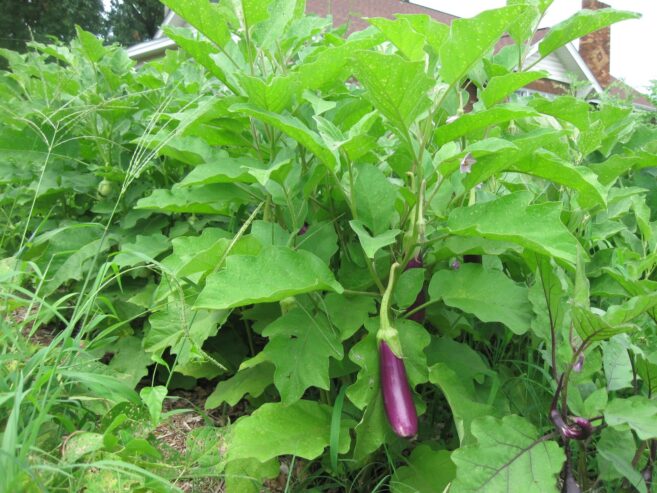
470 39
396 87
582 23
509 456
300 346
488 294
301 429
275 273
511 218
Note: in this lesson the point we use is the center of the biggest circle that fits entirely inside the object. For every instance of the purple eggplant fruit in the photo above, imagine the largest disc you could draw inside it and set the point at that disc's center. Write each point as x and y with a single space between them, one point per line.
581 428
397 397
415 263
584 427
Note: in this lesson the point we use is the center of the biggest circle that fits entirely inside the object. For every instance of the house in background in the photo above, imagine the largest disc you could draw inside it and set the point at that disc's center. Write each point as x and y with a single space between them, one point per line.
588 67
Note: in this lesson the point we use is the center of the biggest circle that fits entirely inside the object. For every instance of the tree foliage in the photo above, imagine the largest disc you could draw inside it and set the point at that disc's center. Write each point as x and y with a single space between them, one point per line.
134 21
21 20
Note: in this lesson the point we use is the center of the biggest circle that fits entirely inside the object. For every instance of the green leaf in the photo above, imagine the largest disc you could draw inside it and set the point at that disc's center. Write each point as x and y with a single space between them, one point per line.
319 105
193 254
631 309
199 49
224 169
176 328
487 294
525 26
374 198
372 244
252 381
435 33
281 13
399 31
320 239
427 471
566 108
547 296
408 287
373 430
208 18
414 340
348 314
219 198
154 397
637 412
92 46
396 87
144 247
325 68
76 264
465 361
591 324
301 429
248 475
275 273
615 451
480 120
646 367
511 218
502 86
582 23
463 401
300 345
130 362
617 364
294 128
523 147
508 456
547 165
274 95
617 165
470 39
253 11
80 444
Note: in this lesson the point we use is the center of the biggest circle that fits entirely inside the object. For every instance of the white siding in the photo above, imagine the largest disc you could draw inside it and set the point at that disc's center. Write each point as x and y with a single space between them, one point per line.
552 64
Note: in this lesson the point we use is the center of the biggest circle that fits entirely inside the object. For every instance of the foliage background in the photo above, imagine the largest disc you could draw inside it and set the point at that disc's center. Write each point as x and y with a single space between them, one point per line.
212 234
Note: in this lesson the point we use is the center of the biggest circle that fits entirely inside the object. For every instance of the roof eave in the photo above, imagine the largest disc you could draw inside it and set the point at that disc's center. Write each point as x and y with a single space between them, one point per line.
151 48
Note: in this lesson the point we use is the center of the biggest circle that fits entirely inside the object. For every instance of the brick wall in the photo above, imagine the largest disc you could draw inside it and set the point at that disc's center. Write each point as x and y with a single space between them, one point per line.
595 48
353 11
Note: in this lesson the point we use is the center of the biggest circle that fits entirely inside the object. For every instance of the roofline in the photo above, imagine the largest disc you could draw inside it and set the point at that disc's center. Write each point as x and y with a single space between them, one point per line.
644 107
427 5
167 20
150 48
584 67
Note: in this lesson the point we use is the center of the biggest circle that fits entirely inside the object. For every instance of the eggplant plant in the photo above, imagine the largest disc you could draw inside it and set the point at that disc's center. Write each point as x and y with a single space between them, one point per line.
375 273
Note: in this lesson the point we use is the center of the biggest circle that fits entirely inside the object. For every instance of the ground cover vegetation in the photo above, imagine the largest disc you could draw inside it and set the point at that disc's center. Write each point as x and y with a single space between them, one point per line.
288 258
